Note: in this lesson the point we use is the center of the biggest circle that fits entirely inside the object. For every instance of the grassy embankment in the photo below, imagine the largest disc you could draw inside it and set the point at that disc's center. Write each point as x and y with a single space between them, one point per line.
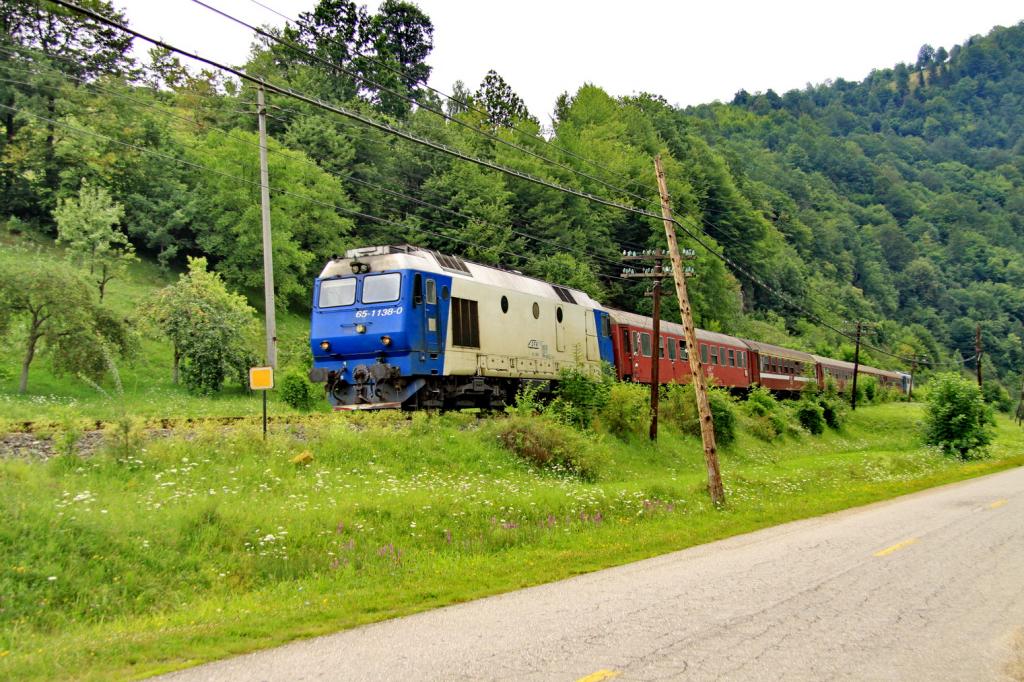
212 543
148 389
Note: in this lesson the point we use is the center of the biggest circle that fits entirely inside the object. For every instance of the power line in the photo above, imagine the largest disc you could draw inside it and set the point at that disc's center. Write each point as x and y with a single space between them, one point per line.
448 150
411 100
308 162
467 103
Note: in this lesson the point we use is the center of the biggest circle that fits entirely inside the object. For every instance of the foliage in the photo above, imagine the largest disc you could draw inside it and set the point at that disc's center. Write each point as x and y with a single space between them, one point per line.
996 395
86 225
833 409
57 316
579 396
957 419
768 416
211 329
627 411
870 385
298 391
547 444
680 409
811 416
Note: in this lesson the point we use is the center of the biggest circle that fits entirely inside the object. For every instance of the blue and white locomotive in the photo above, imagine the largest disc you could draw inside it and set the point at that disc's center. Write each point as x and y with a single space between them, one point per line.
402 326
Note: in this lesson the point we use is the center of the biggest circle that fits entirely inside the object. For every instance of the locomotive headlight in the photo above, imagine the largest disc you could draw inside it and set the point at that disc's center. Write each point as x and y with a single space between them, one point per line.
386 340
360 329
325 345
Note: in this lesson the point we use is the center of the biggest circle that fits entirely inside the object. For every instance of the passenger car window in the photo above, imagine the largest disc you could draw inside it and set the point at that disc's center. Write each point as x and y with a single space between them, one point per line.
335 293
645 345
671 349
381 288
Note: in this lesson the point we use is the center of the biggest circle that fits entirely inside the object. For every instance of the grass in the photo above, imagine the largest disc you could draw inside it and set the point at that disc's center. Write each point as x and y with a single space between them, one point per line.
149 391
213 542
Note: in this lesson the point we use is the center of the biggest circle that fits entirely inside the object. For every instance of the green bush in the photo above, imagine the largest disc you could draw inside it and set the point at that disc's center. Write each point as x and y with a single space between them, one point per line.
870 385
627 411
996 395
768 417
298 391
681 410
579 396
957 418
833 410
549 445
811 416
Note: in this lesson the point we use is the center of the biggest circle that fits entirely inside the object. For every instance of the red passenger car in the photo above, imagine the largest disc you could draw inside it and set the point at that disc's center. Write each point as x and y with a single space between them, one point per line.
724 357
780 369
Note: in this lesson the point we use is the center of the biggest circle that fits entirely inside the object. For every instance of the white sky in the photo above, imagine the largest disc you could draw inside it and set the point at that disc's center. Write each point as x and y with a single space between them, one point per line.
688 52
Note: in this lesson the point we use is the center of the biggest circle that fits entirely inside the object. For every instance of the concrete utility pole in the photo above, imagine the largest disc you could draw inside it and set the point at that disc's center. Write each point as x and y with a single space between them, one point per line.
978 351
856 366
657 275
707 425
268 246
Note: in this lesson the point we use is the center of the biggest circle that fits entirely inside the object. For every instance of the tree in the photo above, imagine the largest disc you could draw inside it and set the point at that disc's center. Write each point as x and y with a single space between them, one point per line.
957 420
925 56
503 106
87 226
84 47
211 329
60 317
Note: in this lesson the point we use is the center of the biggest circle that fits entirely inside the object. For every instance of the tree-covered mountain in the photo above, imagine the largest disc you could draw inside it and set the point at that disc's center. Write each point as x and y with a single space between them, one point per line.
898 200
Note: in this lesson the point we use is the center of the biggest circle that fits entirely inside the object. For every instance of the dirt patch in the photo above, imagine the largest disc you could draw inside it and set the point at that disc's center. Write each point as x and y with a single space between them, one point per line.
1015 666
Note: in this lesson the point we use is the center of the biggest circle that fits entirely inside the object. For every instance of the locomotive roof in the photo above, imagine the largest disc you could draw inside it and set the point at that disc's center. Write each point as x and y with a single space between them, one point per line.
645 322
402 257
779 351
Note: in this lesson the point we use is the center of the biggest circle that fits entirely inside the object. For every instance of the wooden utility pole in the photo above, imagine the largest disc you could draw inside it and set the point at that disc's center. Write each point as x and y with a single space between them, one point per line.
707 425
856 366
657 274
1020 405
268 255
913 371
978 351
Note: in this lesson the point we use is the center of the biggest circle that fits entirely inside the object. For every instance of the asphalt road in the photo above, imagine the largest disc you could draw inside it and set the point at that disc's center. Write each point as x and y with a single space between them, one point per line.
926 587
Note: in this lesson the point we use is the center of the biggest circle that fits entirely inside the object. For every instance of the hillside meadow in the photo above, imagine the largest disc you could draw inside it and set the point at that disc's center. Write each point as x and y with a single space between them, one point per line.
209 541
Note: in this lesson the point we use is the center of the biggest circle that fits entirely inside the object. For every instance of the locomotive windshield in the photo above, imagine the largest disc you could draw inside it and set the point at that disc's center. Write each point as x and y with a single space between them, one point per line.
337 292
381 288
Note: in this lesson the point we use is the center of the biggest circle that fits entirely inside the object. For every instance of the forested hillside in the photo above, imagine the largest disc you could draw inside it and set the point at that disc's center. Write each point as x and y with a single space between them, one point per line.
898 200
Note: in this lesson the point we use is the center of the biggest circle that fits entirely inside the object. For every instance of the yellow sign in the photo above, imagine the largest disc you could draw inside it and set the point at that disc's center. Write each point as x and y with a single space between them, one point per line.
261 378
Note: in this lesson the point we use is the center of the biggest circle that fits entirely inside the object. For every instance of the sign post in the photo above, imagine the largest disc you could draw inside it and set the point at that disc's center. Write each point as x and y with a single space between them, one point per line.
262 379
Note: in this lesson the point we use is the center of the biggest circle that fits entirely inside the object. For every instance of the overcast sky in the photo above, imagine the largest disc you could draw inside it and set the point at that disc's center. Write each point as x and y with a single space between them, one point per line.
687 52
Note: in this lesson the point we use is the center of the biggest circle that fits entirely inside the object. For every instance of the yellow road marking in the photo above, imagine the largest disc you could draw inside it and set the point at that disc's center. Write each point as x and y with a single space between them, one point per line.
997 504
598 676
895 548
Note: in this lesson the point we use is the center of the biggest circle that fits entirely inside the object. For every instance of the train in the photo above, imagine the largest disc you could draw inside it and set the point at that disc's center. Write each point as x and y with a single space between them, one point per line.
406 327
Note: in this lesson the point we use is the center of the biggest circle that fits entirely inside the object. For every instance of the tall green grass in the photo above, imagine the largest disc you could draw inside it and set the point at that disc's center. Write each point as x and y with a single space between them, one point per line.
214 542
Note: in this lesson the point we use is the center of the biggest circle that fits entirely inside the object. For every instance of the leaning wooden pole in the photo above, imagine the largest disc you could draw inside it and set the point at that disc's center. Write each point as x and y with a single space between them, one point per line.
707 424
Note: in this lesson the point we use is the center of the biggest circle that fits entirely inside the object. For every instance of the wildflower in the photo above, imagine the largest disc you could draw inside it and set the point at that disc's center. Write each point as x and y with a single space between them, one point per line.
52 578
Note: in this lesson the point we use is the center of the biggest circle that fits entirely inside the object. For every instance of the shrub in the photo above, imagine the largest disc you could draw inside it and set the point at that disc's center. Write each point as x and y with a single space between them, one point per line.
547 444
833 410
957 418
579 396
811 416
298 391
768 418
681 409
870 387
996 395
627 411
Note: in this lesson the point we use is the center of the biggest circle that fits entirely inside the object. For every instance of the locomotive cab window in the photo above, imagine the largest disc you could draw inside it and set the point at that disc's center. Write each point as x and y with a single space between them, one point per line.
606 326
417 290
382 288
335 293
431 292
